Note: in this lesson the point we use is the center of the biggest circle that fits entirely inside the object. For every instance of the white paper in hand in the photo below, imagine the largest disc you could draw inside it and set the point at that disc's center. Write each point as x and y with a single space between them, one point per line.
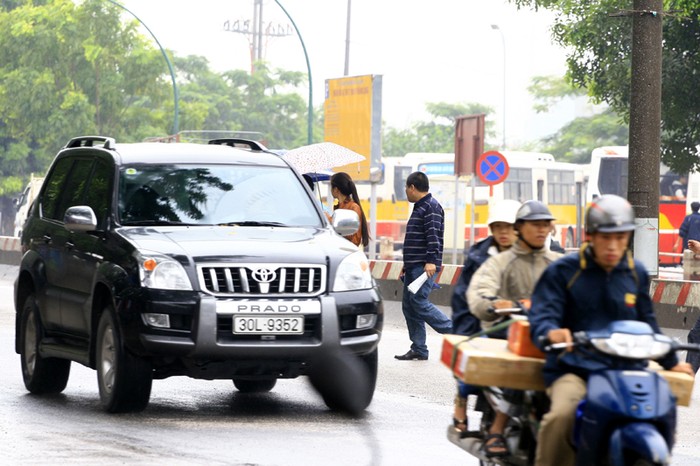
417 283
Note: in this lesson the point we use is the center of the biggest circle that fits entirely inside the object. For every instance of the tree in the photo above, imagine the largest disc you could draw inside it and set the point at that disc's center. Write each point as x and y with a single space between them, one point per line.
75 68
69 70
574 141
437 135
599 59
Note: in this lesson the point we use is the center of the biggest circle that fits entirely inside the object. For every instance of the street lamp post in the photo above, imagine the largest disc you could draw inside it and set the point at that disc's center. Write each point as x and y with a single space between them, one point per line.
308 68
503 41
176 123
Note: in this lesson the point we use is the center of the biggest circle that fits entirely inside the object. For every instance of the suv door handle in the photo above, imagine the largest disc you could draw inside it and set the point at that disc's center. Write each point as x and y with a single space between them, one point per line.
46 238
69 245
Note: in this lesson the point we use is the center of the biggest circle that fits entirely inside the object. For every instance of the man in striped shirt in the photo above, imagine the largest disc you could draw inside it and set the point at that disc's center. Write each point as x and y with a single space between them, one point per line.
422 253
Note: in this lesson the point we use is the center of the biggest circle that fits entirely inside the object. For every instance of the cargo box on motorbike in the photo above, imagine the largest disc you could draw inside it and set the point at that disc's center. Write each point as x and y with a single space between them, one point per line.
519 341
489 362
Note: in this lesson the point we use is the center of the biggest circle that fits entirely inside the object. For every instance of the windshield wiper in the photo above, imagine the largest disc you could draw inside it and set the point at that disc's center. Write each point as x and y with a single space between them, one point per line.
156 223
252 223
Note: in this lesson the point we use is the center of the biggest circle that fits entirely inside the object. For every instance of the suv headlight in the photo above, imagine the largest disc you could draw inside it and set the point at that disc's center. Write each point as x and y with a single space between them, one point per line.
162 272
353 273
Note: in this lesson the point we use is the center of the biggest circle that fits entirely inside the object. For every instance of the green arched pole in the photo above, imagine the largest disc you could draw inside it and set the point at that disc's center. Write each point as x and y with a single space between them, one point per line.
308 68
176 118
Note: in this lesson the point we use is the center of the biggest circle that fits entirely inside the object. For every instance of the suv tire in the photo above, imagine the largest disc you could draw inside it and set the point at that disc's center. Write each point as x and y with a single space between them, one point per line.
124 380
371 362
344 380
41 375
254 386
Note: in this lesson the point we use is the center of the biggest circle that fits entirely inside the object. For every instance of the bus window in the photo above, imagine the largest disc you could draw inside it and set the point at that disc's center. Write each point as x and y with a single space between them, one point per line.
518 185
400 177
437 168
560 187
613 176
673 184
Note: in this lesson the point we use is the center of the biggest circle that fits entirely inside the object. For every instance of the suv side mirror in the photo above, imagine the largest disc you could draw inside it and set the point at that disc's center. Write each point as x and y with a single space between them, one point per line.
80 218
345 221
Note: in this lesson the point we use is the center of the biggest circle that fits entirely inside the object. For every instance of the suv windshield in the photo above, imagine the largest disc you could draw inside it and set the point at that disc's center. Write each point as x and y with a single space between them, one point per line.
213 195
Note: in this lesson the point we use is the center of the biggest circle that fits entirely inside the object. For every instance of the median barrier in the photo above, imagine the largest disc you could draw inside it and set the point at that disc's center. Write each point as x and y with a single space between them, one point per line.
10 252
677 302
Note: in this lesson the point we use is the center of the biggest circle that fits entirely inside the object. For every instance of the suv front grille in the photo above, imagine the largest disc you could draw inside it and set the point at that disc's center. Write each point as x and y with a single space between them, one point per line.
267 280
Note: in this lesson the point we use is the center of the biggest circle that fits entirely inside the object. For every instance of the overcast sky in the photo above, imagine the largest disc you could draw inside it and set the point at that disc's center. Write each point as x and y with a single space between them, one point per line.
426 51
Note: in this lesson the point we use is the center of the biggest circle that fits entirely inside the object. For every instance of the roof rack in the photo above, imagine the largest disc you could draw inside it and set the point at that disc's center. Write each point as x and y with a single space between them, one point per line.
92 141
236 142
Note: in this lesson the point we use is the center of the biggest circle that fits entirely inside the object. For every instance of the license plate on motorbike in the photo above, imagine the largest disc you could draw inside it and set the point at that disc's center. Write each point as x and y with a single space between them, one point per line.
268 325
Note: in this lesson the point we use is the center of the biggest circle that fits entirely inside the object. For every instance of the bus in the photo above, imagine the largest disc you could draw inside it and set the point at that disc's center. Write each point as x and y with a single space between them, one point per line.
609 175
532 175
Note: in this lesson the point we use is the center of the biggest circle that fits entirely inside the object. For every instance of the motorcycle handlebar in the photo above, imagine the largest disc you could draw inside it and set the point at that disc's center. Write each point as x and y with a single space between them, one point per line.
579 338
506 310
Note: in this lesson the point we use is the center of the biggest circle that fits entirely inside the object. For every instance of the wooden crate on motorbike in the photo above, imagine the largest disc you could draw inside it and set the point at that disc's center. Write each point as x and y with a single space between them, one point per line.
489 362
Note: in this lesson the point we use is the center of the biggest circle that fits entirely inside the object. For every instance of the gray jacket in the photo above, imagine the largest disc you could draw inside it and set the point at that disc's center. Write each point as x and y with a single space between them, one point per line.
511 275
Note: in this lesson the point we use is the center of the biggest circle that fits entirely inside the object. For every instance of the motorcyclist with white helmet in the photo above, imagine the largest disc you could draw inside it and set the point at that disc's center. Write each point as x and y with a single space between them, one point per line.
501 223
587 291
506 281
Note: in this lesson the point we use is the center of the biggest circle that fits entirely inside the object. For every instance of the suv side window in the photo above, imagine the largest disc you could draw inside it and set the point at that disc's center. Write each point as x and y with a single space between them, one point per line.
98 195
54 188
74 190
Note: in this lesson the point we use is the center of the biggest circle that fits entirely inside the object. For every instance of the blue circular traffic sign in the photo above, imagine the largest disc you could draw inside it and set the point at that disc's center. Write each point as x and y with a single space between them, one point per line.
492 167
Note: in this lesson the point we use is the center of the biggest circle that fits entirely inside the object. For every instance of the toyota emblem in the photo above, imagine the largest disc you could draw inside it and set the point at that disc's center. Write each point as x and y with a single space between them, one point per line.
264 275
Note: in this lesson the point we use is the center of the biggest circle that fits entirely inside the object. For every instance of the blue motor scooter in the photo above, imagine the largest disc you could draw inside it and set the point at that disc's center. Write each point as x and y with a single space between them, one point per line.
628 416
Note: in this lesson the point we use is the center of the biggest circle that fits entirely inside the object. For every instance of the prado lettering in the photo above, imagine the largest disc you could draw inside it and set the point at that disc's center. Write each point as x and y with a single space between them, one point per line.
268 308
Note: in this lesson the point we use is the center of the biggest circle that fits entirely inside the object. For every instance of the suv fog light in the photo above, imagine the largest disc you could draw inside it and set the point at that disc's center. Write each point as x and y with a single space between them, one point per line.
366 321
157 320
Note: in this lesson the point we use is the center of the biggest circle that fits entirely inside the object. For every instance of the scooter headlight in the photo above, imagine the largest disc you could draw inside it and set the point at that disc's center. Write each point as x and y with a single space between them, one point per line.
625 345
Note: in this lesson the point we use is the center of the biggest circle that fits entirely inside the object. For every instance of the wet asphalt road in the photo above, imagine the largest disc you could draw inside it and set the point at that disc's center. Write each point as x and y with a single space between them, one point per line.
208 422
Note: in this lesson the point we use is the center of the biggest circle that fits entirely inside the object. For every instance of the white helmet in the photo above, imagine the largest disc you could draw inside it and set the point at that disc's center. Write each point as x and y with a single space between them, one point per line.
504 211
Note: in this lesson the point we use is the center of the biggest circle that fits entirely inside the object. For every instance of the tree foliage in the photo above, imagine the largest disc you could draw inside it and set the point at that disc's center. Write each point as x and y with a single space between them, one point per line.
264 102
574 141
437 135
75 68
599 47
69 70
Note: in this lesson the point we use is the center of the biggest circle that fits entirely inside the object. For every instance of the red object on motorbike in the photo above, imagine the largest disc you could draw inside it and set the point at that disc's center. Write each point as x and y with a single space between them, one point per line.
519 341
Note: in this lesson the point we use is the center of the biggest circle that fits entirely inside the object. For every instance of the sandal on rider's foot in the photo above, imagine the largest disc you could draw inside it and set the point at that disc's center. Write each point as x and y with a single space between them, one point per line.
462 427
495 446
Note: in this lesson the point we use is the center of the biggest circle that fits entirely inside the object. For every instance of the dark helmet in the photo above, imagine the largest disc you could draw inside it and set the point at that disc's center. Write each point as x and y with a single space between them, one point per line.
609 214
533 210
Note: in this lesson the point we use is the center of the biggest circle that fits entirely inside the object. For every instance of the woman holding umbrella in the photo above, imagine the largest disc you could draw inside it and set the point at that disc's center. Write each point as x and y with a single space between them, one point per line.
343 189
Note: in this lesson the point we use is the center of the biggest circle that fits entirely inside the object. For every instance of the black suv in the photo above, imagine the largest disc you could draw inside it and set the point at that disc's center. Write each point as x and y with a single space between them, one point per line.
213 261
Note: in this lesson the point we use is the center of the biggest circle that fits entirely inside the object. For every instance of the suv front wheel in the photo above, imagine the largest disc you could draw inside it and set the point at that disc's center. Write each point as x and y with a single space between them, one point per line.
124 380
41 375
254 386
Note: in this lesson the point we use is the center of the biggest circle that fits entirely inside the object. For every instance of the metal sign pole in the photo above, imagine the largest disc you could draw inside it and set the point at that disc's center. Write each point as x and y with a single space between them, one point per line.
456 221
471 230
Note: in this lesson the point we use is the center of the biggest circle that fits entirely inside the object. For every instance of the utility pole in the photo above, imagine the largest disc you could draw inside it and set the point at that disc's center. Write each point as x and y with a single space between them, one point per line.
347 41
256 31
645 129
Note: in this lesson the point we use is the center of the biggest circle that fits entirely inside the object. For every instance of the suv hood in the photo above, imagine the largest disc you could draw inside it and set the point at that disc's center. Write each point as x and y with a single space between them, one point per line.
226 243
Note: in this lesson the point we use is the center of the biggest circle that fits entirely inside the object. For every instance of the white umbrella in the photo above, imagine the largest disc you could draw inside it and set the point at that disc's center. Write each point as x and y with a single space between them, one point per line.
316 158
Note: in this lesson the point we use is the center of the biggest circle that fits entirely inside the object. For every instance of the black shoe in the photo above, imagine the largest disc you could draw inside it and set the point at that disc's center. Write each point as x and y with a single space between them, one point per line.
411 356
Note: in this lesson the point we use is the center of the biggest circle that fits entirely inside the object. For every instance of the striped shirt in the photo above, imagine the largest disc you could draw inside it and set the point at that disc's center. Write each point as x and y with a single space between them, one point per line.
424 233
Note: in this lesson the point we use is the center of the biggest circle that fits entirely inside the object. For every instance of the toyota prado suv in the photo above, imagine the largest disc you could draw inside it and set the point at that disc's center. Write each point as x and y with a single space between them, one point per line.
213 261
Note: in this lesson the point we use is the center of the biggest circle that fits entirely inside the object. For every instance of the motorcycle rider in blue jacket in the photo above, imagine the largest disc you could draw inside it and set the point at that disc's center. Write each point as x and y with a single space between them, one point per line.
586 291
